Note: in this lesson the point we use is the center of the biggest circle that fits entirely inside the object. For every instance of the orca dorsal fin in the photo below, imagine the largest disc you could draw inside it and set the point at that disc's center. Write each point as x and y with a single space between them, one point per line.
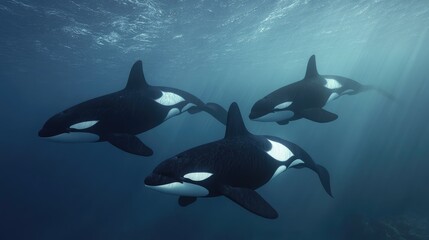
311 68
136 78
234 123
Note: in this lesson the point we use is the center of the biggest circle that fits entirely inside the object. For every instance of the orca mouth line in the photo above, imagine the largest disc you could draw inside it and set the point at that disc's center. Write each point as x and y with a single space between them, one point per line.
253 116
45 133
258 116
156 180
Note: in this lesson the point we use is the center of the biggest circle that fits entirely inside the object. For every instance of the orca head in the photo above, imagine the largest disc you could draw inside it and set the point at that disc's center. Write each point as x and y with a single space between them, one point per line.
268 110
171 177
69 126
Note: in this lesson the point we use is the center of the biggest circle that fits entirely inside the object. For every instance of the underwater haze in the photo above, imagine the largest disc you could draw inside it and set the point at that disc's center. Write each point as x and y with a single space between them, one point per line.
55 54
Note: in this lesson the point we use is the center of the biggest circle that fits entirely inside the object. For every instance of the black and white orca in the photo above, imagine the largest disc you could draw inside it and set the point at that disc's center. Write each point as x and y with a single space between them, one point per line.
306 98
118 117
234 166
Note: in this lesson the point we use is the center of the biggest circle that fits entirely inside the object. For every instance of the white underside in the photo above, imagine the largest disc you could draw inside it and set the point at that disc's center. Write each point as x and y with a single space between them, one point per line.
173 112
333 96
182 189
74 137
276 116
296 162
348 91
278 171
283 168
187 106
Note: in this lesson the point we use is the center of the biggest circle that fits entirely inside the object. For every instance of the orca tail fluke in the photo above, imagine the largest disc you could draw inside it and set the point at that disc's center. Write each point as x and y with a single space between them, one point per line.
217 111
386 94
324 178
214 109
381 91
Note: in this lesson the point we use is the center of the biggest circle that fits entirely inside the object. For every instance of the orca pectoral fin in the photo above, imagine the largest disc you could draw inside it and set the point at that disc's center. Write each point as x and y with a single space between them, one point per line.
381 91
194 110
129 143
318 115
250 200
213 109
185 201
284 122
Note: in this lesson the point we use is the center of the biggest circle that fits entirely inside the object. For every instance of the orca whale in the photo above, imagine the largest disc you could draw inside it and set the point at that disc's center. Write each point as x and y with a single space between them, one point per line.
118 117
306 98
234 166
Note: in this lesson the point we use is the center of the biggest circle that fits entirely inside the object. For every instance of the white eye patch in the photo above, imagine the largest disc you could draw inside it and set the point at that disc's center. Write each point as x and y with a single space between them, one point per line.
198 176
169 99
283 105
279 151
84 125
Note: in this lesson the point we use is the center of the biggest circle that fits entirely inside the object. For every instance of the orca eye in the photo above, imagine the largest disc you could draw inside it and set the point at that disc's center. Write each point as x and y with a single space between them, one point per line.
172 175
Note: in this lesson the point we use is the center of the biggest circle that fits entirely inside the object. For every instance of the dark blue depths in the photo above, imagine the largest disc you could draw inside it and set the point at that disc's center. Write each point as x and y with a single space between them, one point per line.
56 54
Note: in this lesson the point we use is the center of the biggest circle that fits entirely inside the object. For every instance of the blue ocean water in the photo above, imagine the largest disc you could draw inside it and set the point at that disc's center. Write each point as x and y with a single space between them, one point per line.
54 54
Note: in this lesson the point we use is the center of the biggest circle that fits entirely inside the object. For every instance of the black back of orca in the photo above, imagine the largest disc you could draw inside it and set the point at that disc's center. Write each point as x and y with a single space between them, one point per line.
306 98
118 117
233 167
